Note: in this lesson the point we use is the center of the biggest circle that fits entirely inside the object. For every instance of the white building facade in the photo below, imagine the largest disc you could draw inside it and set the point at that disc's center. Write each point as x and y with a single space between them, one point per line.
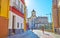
41 21
16 17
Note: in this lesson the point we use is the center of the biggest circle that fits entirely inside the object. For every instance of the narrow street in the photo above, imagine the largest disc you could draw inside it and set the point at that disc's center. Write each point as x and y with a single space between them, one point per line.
41 35
46 34
35 34
27 34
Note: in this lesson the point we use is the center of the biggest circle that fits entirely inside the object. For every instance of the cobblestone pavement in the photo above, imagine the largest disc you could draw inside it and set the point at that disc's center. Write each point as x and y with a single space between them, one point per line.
28 34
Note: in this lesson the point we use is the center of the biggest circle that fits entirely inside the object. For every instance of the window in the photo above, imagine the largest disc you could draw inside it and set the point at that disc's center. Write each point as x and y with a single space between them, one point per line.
18 25
21 25
16 2
19 5
22 8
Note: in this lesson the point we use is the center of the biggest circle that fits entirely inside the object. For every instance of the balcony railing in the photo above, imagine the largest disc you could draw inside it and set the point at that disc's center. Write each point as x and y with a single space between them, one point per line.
17 7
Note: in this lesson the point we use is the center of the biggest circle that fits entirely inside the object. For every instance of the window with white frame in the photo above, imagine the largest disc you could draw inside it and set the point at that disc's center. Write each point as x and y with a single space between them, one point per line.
22 8
21 25
16 2
19 5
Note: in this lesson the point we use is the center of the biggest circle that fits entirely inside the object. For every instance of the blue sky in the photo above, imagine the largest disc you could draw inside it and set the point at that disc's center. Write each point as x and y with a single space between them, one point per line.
42 7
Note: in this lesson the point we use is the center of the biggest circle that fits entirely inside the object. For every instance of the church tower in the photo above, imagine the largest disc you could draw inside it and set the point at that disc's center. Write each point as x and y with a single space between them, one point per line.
33 13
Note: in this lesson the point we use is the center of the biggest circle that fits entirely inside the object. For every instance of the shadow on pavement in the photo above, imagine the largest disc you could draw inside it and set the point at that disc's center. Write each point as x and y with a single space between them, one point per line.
27 34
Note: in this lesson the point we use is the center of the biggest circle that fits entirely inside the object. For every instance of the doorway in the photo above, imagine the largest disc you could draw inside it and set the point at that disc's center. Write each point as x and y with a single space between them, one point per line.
13 24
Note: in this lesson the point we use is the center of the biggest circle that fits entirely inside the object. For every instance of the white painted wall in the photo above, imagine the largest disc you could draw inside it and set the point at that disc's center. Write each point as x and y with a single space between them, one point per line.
15 3
17 19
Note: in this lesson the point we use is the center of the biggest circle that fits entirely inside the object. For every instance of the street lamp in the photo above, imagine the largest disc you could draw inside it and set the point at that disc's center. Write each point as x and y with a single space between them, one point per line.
50 17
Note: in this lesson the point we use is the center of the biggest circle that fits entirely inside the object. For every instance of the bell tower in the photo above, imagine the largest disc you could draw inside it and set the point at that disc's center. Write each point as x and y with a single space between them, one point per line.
33 13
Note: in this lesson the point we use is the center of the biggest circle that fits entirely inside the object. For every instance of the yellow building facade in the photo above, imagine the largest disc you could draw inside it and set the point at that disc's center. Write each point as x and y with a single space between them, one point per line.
25 24
4 10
